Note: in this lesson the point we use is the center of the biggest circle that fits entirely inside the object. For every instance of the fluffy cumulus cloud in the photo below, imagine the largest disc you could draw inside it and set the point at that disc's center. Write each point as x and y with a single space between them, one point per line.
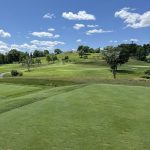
132 19
99 31
49 44
4 34
33 45
78 26
49 16
42 34
45 35
81 15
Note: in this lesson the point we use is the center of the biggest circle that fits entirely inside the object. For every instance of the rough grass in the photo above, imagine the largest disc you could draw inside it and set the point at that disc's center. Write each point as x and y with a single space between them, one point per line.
87 117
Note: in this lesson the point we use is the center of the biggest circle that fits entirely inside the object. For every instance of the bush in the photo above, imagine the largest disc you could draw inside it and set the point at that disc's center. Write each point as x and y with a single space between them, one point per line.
66 58
147 72
15 73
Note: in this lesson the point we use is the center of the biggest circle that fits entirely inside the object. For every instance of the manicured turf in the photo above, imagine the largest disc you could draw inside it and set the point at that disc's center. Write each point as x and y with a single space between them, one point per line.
78 117
77 69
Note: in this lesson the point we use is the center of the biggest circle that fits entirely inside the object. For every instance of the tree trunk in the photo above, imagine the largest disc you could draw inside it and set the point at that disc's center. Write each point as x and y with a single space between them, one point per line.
114 73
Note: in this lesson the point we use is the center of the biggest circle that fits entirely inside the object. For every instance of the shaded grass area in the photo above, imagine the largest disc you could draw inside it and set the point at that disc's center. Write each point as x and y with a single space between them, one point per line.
56 82
90 117
37 81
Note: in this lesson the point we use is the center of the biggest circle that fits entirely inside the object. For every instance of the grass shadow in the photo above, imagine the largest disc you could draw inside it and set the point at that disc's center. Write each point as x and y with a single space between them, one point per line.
125 71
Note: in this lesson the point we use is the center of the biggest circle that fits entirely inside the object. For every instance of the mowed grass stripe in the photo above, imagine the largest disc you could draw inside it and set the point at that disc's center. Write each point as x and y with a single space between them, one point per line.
10 103
89 118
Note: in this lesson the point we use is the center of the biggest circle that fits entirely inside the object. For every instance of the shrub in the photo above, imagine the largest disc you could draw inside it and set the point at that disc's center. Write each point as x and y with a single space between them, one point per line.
66 58
147 72
15 73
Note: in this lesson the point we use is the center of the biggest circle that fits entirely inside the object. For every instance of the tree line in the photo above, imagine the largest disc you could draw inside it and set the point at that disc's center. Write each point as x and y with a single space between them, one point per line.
19 56
139 52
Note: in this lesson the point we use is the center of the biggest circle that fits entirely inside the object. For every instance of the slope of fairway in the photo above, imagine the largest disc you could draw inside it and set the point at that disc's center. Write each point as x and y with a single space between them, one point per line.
9 90
84 117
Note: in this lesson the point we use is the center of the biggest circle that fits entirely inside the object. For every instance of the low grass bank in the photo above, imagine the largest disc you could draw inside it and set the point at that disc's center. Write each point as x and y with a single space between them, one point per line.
54 82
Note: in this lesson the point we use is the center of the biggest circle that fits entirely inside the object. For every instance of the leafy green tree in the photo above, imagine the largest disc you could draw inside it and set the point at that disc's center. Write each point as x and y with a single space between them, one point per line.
13 56
48 58
2 59
38 61
57 51
28 61
81 53
46 52
115 56
38 53
111 58
51 58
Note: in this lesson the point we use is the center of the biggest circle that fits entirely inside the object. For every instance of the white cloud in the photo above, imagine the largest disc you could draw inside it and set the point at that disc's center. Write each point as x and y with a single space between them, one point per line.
134 20
4 34
47 43
49 16
42 34
134 40
51 29
81 15
92 26
3 47
97 31
79 40
45 35
78 26
35 44
24 47
56 36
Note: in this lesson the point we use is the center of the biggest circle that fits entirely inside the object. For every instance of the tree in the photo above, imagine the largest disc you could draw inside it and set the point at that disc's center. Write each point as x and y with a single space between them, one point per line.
65 59
97 50
141 53
51 57
46 52
13 56
57 51
38 53
81 53
2 59
38 61
28 62
48 58
83 50
115 56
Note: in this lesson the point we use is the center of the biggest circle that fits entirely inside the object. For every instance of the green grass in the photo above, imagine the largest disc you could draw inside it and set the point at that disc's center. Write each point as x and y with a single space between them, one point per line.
87 117
92 69
75 106
9 67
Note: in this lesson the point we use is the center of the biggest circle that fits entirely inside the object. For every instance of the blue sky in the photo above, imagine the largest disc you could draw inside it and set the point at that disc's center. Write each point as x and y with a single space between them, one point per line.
48 24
